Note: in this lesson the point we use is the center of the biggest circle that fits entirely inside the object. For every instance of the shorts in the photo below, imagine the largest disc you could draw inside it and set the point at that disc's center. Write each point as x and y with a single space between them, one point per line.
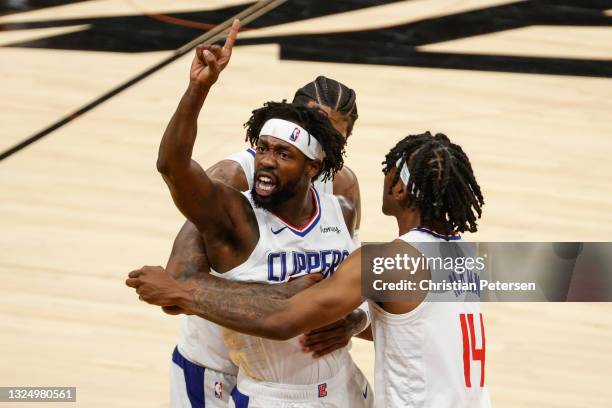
348 388
194 386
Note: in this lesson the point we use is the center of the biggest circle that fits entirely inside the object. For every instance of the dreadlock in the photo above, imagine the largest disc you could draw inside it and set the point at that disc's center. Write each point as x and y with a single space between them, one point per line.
313 121
442 183
331 93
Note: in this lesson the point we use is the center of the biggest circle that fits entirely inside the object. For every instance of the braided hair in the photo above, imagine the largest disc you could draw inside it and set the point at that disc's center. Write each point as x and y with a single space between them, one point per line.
316 123
441 184
331 93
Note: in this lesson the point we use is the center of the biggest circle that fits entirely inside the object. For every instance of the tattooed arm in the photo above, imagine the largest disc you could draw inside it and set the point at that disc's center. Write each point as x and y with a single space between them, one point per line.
188 261
188 257
158 287
253 308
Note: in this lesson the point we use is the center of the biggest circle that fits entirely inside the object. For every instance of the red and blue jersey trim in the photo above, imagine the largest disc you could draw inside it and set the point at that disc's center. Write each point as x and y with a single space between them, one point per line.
306 228
453 237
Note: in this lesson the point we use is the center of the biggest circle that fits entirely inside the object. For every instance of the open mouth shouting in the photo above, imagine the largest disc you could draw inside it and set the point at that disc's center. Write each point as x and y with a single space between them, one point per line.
265 184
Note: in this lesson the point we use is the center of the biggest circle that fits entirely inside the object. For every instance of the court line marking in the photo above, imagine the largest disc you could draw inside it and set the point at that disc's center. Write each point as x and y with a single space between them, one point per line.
246 16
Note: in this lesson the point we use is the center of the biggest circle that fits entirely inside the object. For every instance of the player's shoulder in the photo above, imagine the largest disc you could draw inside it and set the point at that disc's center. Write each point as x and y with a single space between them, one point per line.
346 185
346 206
247 154
344 179
229 172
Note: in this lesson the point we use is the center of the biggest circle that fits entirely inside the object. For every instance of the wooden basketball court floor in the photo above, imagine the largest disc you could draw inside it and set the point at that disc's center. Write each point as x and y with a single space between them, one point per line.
85 205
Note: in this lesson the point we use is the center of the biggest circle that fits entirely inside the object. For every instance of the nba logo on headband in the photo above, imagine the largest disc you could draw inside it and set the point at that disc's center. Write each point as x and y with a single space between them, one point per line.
295 134
292 133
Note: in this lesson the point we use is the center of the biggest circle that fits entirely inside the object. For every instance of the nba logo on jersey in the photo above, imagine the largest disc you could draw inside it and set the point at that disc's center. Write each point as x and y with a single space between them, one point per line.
322 390
218 389
295 134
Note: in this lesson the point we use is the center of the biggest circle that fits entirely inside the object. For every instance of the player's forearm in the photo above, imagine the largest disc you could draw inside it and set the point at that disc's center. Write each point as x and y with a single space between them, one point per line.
185 269
288 289
251 308
192 190
177 143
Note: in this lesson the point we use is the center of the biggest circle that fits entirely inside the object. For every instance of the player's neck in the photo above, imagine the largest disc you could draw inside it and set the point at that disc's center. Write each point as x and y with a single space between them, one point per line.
298 209
407 220
410 219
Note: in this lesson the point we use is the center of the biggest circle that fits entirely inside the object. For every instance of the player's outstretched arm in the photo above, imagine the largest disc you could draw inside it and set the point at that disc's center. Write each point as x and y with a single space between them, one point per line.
248 307
188 260
195 194
329 338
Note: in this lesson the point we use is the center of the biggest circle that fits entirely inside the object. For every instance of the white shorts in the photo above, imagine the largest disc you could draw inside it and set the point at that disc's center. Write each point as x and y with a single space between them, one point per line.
349 388
194 386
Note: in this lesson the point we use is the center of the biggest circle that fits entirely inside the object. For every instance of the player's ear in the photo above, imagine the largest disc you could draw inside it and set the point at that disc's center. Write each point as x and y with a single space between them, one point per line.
400 191
313 167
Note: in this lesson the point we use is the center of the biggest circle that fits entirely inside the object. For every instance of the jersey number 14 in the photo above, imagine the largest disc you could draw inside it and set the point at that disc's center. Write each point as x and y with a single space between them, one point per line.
470 352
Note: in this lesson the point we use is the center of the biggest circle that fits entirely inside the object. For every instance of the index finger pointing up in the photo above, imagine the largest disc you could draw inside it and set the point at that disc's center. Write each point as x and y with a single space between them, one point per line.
231 37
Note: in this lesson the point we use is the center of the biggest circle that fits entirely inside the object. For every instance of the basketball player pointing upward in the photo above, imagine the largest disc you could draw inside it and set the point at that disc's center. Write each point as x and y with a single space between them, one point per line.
270 233
430 349
201 351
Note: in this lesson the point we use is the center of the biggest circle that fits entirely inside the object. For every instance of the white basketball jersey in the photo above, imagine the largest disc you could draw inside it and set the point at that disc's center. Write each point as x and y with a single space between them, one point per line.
201 341
433 356
246 159
284 251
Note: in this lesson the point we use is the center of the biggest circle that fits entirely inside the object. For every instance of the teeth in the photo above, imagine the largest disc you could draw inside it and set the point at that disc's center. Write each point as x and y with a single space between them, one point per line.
264 186
265 179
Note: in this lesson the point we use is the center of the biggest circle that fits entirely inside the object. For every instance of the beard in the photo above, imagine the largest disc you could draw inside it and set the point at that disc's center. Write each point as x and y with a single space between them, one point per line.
275 199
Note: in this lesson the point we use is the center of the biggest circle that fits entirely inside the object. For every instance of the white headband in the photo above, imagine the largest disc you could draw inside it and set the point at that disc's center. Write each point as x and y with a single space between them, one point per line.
295 135
404 173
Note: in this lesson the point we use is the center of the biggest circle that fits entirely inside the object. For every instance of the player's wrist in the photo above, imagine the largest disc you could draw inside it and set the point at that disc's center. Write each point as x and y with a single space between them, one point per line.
197 90
182 296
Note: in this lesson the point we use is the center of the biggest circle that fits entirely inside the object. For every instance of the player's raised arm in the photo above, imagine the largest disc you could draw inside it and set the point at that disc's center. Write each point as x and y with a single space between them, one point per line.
188 256
195 194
